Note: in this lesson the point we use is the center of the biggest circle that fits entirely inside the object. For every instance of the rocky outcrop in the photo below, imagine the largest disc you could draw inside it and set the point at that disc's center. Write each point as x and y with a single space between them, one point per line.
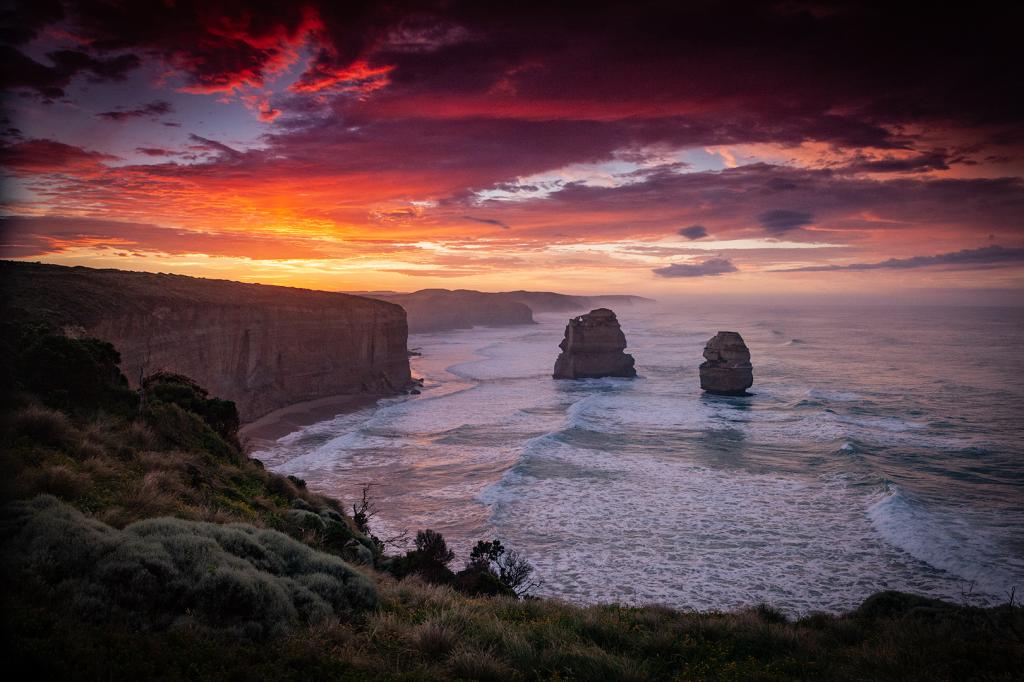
263 347
727 370
592 348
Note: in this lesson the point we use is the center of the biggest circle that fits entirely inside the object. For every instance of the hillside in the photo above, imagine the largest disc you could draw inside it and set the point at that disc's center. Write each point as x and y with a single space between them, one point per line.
434 310
549 302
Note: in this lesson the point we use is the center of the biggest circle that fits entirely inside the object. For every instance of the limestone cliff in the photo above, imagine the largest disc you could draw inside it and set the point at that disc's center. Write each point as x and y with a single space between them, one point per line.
263 347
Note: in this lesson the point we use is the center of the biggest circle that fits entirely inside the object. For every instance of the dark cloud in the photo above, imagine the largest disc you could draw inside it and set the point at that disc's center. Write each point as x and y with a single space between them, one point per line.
708 268
21 22
24 237
154 151
782 220
694 232
928 161
778 65
205 144
153 110
986 256
487 221
42 156
21 71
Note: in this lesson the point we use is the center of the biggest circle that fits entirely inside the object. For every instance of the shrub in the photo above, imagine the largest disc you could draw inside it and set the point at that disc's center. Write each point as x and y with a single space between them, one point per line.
77 375
59 480
42 425
493 570
471 664
178 428
434 638
429 560
481 582
432 547
163 573
219 415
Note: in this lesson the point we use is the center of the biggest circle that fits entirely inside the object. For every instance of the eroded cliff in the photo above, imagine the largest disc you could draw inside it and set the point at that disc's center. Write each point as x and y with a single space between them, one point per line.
261 346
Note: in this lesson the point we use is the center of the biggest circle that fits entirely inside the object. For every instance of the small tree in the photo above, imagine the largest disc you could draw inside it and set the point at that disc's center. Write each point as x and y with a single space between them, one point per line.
515 571
509 566
432 547
485 553
429 560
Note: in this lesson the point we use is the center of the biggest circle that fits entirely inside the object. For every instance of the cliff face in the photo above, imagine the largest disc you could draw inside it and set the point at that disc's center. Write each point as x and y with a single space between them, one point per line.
263 347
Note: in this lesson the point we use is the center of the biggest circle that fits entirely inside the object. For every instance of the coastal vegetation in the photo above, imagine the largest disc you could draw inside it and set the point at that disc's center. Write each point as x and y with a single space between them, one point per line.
139 541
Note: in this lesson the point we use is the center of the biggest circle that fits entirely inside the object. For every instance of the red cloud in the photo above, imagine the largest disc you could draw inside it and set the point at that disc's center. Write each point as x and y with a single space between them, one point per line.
357 77
50 156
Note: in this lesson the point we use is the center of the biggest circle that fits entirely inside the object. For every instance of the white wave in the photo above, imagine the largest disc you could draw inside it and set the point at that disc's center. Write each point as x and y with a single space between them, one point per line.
948 541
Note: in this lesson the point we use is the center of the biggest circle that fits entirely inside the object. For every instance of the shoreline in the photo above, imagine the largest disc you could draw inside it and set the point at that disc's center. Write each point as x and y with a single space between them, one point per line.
290 418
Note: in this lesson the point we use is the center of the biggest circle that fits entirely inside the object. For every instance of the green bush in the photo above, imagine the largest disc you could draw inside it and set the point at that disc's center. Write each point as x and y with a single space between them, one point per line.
220 415
169 573
179 428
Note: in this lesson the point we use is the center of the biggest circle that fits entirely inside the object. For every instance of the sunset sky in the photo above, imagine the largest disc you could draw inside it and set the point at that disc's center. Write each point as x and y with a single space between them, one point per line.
652 148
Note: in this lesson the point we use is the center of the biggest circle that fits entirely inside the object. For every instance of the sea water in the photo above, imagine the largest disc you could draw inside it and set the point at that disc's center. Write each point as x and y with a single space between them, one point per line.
881 449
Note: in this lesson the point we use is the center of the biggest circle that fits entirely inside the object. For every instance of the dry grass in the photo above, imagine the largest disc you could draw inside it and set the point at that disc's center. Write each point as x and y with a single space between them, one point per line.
43 426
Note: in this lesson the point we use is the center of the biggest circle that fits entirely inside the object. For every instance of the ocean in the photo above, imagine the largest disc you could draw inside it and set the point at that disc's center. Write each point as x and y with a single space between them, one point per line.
881 449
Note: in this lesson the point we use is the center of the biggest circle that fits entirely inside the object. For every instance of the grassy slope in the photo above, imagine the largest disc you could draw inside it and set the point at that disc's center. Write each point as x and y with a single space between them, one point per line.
167 462
59 295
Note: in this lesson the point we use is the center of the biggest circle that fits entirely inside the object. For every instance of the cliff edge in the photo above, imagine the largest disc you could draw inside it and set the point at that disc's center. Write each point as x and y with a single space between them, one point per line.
261 346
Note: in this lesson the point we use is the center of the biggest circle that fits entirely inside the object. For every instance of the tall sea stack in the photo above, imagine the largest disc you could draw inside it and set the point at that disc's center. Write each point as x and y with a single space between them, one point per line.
727 370
592 348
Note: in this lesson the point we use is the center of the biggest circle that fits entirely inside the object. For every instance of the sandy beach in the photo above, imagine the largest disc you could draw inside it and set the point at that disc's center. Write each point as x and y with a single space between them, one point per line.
285 420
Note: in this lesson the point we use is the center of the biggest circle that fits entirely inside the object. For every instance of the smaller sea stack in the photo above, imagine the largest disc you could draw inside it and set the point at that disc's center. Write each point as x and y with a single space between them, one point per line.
592 348
727 370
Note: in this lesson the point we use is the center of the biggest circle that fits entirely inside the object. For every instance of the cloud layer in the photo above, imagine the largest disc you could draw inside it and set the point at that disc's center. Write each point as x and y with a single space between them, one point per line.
987 256
513 131
708 268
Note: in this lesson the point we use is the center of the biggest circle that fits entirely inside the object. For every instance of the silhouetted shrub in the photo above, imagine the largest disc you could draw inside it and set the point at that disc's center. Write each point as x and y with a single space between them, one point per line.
494 570
164 573
770 614
219 415
76 375
429 560
477 581
891 604
179 428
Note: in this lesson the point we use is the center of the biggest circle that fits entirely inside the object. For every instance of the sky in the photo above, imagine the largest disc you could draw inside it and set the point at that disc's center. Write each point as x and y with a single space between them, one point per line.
659 148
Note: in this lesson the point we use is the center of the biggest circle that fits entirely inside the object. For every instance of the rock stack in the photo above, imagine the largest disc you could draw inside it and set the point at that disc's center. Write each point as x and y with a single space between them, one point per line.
727 370
592 348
